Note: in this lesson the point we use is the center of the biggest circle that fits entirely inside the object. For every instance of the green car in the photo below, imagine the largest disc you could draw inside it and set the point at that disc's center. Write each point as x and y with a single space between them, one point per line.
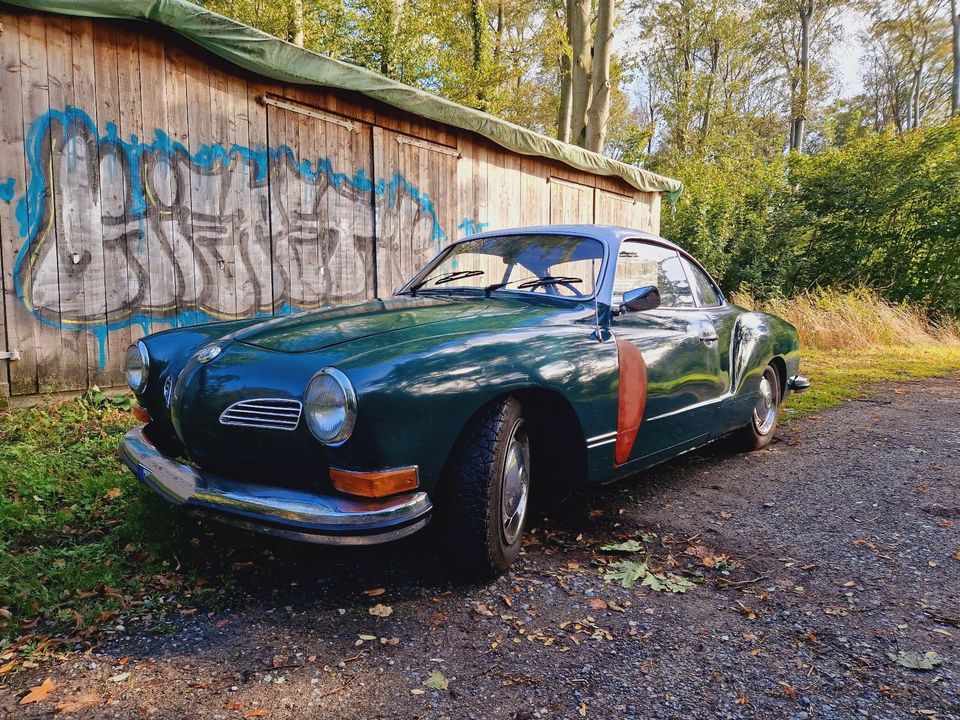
516 365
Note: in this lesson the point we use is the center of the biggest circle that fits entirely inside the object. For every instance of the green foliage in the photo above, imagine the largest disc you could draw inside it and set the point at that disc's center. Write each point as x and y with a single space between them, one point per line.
883 211
78 535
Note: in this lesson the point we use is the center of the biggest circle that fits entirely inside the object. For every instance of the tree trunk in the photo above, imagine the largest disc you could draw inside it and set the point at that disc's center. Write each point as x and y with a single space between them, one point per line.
563 112
388 58
598 113
578 28
915 98
800 116
711 84
296 23
955 92
481 50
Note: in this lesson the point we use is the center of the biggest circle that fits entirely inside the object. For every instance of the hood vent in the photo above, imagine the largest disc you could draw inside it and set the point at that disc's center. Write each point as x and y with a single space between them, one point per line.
263 413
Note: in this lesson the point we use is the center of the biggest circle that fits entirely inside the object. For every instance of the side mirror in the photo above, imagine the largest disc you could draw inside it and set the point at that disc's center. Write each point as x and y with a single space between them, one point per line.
640 299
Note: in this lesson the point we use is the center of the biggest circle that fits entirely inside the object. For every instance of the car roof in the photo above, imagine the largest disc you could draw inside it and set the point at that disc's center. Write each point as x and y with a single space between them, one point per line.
612 235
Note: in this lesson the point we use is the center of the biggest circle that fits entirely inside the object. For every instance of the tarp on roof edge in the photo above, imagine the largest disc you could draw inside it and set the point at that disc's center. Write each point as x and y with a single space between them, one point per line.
271 57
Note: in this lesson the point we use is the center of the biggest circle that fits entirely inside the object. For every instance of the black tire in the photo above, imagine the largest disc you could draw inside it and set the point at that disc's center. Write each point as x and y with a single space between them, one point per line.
480 544
759 431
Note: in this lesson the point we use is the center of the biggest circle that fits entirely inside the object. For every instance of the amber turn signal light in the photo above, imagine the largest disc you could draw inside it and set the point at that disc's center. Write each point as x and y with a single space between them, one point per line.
377 484
141 414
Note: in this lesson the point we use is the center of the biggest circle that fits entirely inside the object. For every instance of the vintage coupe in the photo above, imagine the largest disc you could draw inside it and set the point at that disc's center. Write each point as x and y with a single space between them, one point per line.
516 363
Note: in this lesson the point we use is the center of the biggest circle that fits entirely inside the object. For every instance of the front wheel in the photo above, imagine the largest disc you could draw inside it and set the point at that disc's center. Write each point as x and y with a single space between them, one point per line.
489 491
763 417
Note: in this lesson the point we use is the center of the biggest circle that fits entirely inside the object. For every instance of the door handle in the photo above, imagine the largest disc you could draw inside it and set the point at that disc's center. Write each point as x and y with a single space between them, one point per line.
708 335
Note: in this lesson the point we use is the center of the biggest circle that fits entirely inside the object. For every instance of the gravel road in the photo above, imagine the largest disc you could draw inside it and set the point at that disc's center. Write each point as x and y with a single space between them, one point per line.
816 561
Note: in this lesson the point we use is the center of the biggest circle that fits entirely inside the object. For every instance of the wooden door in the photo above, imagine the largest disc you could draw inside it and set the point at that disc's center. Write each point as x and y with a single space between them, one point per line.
321 201
570 203
416 204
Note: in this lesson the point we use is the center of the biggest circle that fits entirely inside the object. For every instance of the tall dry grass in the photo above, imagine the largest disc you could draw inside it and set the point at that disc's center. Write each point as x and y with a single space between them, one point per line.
843 320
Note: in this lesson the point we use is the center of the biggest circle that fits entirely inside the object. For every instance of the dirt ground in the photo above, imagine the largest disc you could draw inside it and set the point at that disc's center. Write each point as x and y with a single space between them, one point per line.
817 562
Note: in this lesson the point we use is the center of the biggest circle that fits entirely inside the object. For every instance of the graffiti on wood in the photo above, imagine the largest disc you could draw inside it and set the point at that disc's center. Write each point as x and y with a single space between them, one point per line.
121 231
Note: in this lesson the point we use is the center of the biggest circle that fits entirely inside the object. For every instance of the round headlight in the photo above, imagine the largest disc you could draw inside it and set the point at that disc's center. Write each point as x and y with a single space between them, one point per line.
330 406
136 366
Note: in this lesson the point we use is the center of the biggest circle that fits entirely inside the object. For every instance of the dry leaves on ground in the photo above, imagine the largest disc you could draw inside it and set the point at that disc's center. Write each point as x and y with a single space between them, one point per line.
39 693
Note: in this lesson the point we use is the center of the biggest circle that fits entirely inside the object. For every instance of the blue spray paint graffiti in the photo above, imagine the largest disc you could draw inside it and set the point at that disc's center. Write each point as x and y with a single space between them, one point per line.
7 188
121 232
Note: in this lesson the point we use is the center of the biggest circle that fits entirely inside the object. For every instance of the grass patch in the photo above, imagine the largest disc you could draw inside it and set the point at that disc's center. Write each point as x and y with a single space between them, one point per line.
839 375
81 541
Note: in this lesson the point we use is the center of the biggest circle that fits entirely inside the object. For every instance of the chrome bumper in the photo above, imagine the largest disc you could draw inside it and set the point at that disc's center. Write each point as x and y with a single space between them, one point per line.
294 514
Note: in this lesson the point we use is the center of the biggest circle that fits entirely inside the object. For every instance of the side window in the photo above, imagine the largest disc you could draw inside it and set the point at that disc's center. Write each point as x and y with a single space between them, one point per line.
641 264
703 287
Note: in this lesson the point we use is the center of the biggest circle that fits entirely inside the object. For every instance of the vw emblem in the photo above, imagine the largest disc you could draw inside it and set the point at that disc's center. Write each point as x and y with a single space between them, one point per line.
168 390
208 353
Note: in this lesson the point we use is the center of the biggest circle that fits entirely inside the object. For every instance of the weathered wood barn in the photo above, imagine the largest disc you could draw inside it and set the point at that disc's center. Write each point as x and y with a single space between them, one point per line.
161 165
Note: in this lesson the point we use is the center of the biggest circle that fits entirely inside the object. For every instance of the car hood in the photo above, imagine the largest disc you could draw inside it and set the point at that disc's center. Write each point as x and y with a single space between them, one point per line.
324 328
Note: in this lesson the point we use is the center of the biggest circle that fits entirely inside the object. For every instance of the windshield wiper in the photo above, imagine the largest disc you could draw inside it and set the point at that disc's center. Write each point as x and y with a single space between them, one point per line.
445 278
534 283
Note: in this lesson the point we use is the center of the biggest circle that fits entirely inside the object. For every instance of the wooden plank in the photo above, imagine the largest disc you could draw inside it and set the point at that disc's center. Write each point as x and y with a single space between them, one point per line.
19 333
260 259
136 246
86 205
176 221
71 191
205 232
225 182
34 337
160 187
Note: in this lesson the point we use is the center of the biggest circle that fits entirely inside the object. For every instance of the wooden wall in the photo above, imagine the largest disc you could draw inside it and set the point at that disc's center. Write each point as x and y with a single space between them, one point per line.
146 184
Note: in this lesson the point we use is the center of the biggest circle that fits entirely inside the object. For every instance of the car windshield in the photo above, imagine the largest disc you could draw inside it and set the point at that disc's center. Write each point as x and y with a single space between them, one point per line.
551 264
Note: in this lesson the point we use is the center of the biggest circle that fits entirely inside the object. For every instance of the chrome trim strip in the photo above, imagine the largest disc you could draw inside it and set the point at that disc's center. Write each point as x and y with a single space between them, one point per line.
601 436
695 406
602 442
328 519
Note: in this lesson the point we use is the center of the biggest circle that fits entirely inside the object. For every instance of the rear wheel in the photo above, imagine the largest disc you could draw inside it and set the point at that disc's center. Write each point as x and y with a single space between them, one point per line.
488 487
763 417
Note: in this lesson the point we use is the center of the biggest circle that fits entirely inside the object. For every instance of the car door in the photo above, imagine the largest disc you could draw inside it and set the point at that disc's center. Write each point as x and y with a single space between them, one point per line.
679 345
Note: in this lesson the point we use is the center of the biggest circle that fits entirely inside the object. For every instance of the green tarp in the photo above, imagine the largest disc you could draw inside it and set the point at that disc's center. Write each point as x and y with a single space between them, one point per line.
273 58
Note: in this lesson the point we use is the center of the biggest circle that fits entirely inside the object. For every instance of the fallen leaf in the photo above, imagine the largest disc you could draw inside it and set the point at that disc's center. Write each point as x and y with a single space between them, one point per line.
112 494
788 689
374 592
380 610
956 555
120 678
417 691
221 623
628 546
257 713
5 613
367 637
726 515
598 604
4 669
83 701
235 706
741 699
39 693
483 610
582 710
436 681
916 661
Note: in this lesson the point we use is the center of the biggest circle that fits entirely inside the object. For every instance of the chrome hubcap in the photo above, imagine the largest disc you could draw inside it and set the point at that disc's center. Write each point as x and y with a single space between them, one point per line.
514 487
765 411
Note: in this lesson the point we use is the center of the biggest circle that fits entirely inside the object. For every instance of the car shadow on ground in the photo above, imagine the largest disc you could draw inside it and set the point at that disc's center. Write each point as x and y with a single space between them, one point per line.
252 572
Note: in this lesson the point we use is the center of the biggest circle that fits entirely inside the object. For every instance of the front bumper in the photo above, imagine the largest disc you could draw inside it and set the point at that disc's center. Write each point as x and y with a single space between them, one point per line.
294 514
